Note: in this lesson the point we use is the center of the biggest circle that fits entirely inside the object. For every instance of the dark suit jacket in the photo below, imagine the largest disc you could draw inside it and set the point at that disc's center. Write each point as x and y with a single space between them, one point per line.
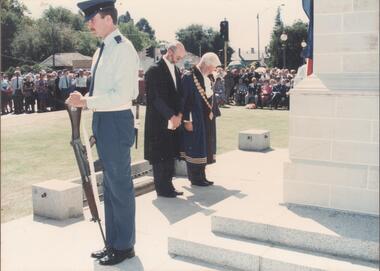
163 101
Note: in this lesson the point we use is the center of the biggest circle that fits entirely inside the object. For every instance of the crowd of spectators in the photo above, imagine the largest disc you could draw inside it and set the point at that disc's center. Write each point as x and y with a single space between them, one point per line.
43 92
40 92
254 88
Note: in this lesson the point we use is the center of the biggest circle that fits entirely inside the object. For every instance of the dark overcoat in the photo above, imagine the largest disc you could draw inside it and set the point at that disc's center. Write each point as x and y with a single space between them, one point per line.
163 101
199 145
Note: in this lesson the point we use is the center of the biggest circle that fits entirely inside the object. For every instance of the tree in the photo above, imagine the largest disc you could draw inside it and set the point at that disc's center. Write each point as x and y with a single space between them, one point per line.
199 40
139 39
126 18
42 39
12 17
62 16
86 43
275 42
296 34
144 26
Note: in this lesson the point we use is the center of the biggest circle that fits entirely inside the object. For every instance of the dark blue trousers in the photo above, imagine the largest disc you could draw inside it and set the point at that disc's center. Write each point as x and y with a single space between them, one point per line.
114 133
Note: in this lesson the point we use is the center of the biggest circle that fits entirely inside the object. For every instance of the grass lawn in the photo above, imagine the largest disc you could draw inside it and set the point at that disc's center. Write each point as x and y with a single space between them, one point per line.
35 148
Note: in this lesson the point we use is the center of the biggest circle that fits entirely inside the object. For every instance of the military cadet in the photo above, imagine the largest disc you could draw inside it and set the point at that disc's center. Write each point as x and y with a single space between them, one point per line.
112 125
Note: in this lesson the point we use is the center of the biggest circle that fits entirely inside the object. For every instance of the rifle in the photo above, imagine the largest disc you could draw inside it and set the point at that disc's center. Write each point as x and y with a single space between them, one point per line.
83 165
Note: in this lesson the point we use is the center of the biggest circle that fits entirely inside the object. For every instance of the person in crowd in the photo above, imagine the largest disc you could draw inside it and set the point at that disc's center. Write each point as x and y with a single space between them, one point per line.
240 91
16 87
229 84
276 93
88 81
51 91
42 92
59 102
253 92
64 84
72 80
5 97
81 82
113 125
220 90
265 94
28 91
163 116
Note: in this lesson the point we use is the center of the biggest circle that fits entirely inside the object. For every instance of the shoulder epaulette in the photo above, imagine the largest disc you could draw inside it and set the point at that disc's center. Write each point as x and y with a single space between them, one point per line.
118 39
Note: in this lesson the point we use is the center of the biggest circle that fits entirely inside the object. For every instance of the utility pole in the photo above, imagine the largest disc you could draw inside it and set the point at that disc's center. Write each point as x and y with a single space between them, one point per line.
258 38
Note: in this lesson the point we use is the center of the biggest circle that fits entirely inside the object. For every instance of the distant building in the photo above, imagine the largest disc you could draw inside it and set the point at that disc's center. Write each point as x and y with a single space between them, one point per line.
68 61
146 62
247 57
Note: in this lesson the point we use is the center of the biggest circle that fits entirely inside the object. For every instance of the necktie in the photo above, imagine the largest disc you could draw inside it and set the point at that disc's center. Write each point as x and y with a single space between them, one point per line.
67 82
91 91
17 86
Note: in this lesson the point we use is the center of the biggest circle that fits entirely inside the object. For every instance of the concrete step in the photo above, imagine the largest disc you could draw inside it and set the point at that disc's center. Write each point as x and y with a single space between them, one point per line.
193 238
311 229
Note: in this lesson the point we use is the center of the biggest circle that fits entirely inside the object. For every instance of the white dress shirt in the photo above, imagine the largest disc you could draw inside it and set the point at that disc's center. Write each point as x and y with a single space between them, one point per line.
116 78
172 70
208 87
16 84
81 81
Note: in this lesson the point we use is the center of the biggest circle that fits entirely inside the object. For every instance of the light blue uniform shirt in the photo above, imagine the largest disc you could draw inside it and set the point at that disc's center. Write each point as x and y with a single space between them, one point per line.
116 78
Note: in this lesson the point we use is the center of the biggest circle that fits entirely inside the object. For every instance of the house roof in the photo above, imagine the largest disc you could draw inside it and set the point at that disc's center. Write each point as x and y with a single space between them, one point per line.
64 59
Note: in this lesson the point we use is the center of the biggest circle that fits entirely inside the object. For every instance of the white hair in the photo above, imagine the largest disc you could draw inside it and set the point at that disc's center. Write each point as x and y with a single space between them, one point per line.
173 45
210 59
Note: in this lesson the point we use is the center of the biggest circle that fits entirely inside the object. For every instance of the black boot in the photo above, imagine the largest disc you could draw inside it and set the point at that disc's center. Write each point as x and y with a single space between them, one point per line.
203 172
195 175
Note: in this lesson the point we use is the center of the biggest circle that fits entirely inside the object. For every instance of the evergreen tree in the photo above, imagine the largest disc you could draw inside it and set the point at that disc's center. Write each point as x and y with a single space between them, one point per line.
296 34
144 26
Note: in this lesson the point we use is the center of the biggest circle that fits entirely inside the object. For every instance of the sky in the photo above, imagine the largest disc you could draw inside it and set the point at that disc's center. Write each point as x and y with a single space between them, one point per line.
168 16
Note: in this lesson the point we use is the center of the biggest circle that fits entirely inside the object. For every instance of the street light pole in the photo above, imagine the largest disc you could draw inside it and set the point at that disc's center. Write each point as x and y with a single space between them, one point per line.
258 37
303 45
283 38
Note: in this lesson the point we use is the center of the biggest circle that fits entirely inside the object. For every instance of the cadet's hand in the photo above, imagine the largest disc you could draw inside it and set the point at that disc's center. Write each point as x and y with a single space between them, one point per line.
76 100
188 126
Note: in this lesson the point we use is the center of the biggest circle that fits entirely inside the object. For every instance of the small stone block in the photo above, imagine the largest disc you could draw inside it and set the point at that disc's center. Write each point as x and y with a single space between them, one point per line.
57 199
180 168
254 140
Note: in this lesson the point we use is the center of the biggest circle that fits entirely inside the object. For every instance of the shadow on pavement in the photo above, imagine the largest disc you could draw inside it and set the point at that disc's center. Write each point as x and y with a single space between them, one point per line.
202 198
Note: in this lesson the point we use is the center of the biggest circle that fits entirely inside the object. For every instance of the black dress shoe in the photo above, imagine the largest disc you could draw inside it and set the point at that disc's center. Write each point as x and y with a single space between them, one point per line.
171 194
100 253
209 182
200 183
117 256
178 193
